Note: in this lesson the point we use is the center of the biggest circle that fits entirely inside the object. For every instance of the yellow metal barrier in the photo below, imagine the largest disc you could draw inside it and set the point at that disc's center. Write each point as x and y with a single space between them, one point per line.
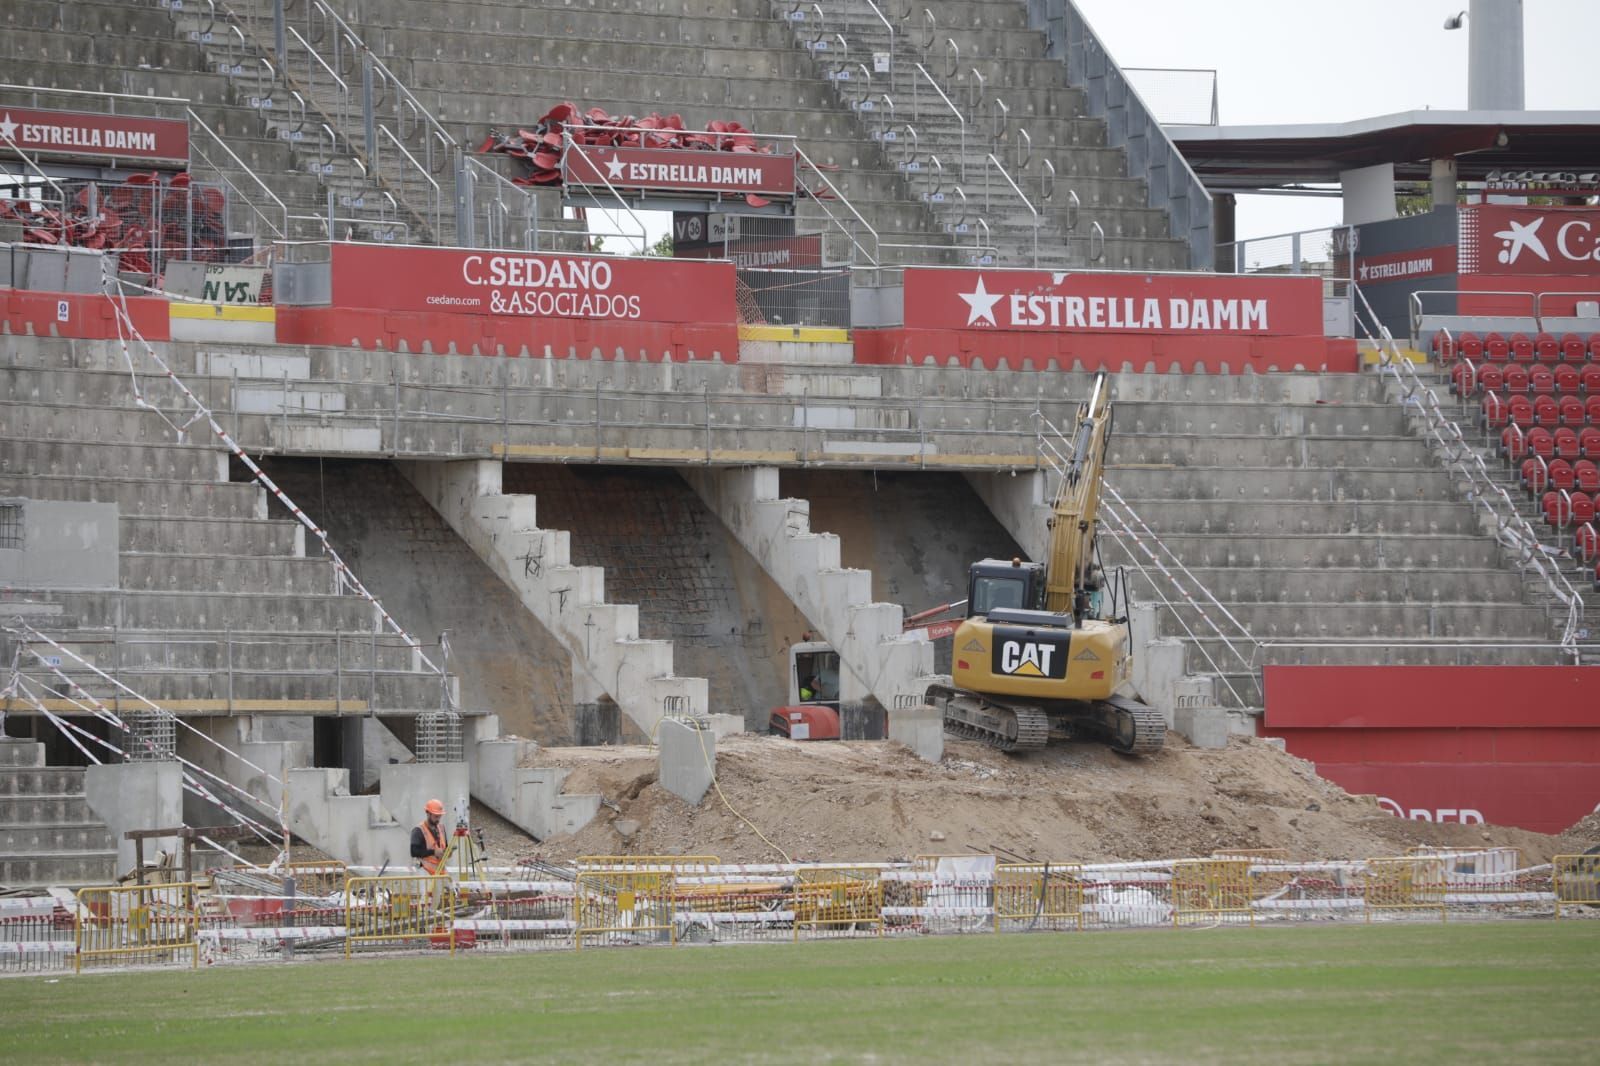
1214 890
398 908
843 900
137 923
1038 896
619 906
1577 880
319 879
1413 883
678 863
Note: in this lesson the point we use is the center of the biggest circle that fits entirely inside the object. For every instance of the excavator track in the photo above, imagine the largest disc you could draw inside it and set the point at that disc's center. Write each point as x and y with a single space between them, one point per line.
1131 727
1005 727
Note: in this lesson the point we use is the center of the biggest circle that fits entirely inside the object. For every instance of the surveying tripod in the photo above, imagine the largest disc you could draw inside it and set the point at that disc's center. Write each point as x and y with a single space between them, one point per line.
467 849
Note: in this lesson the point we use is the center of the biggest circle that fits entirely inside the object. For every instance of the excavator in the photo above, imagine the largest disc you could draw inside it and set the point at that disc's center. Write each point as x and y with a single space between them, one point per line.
1032 659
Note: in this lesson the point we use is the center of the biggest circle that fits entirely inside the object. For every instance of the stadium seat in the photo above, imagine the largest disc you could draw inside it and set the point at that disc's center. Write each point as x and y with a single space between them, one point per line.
1490 376
1513 443
1589 443
1572 412
1587 475
1542 380
1556 507
1541 443
1516 379
1495 349
1493 412
1586 542
1582 505
1546 412
1520 411
1444 347
1589 378
1561 476
1593 346
1470 346
1567 380
1535 474
1572 349
1463 379
1546 349
1566 443
1521 348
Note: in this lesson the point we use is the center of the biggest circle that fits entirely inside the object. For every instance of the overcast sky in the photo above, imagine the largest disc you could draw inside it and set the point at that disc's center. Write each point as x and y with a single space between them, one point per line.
1281 61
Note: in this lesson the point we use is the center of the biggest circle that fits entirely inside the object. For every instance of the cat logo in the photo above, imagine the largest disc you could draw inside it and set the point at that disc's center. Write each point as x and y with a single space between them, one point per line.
1025 658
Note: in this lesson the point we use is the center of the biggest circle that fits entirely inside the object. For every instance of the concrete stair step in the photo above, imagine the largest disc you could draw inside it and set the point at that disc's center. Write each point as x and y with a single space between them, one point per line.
44 782
201 499
64 809
14 752
65 869
43 840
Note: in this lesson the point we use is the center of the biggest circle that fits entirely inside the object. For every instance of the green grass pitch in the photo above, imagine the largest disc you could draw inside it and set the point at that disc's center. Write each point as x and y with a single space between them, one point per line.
1526 991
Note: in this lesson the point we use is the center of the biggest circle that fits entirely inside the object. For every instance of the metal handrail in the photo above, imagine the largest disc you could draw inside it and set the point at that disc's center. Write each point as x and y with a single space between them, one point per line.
872 256
242 165
438 198
960 118
382 68
1535 299
1020 195
1512 529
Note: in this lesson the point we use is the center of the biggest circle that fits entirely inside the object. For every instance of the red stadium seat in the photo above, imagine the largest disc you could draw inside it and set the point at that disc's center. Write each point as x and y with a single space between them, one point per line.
1561 476
1463 379
1496 349
1516 379
1546 412
1587 474
1521 348
1556 507
1592 407
1470 346
1593 346
1589 443
1541 443
1490 376
1542 380
1582 509
1567 380
1519 411
1572 412
1572 349
1589 378
1535 474
1566 443
1513 443
1493 412
1444 347
1586 543
1546 349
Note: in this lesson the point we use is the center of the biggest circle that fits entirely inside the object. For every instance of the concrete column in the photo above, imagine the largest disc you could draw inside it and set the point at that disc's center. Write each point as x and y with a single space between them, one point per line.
136 795
1018 501
1495 55
1442 182
1368 194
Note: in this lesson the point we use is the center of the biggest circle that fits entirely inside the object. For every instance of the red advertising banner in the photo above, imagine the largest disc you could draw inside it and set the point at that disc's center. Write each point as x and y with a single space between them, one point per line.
526 285
679 170
1403 266
766 253
1500 239
88 133
1085 302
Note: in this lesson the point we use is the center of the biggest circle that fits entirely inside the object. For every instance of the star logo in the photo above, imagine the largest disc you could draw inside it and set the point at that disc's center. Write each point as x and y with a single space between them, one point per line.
1518 237
980 304
1363 272
614 168
8 129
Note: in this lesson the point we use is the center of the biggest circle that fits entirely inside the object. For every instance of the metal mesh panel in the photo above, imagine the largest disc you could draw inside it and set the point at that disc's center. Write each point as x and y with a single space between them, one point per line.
439 737
151 736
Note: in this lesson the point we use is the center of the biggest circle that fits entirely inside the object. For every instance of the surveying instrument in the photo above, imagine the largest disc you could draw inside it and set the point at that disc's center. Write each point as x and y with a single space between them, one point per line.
465 853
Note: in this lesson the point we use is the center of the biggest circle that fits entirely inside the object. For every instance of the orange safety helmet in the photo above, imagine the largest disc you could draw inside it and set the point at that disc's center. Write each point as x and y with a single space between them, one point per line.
434 807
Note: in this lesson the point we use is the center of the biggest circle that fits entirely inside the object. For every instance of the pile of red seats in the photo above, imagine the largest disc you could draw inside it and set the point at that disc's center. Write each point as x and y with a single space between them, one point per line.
541 146
142 219
1541 395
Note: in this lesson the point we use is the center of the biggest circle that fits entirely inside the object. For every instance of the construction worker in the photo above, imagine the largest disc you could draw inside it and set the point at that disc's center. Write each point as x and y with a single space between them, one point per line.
808 691
428 838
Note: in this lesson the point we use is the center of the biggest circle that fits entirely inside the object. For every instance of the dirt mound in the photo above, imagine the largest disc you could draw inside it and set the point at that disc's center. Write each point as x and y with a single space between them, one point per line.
1581 835
1067 802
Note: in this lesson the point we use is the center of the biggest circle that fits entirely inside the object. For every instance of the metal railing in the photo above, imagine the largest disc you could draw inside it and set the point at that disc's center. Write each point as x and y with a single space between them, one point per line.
1536 304
1129 125
1445 438
1329 253
1181 96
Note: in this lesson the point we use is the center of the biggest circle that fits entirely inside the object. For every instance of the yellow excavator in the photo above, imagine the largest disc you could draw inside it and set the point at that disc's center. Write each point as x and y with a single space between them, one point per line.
1033 660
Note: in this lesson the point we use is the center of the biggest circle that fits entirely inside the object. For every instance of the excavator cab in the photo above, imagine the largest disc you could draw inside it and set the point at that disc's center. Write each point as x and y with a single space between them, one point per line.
1010 584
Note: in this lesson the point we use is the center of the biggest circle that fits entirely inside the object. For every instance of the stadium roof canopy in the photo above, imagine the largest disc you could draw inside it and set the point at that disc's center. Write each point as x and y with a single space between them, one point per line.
1243 158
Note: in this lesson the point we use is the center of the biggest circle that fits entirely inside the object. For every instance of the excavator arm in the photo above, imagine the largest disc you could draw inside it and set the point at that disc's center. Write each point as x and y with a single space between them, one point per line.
1076 508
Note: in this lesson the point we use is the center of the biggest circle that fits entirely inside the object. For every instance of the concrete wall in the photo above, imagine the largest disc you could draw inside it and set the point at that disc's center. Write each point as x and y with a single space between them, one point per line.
136 795
65 545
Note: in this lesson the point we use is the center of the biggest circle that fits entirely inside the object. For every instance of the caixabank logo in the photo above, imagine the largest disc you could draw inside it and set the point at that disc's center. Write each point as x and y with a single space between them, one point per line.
1515 240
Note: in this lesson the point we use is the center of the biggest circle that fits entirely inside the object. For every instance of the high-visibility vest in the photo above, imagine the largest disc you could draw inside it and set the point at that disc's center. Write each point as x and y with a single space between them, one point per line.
430 863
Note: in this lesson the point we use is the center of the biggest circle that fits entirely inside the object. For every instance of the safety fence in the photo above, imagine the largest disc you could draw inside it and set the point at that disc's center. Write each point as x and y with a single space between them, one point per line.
248 914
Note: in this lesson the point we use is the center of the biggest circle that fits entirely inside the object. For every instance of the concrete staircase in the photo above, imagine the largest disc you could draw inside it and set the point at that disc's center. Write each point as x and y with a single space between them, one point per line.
531 797
569 601
48 834
880 662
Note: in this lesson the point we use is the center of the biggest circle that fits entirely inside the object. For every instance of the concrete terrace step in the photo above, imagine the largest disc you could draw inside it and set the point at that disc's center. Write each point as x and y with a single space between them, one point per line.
104 458
349 691
41 781
64 869
168 534
1250 481
1299 516
142 497
1376 551
1349 586
1368 621
61 809
42 840
254 650
153 572
128 609
1225 450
